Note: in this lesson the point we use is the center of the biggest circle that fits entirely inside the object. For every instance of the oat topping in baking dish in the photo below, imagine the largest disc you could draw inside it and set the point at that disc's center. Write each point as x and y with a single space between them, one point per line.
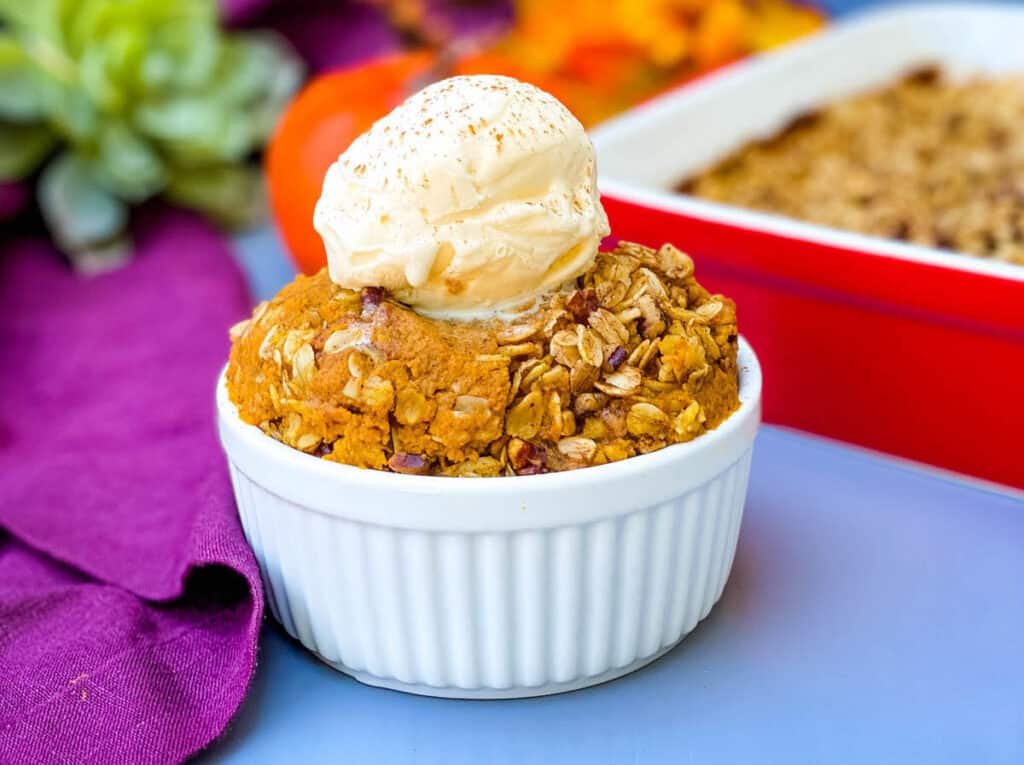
636 357
926 161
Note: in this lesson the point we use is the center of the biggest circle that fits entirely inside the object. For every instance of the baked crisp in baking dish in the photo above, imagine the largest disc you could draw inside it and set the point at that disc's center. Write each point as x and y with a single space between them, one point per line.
637 357
927 161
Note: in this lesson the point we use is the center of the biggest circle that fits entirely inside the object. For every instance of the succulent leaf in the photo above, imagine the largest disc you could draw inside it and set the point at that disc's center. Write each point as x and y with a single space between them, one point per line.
84 218
127 164
23 147
20 100
148 97
232 195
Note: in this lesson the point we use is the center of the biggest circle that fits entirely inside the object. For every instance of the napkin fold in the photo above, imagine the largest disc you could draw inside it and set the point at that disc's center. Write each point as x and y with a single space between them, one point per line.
130 603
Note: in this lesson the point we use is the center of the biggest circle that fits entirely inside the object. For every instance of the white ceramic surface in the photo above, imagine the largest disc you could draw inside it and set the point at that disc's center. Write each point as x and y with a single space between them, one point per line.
646 152
494 587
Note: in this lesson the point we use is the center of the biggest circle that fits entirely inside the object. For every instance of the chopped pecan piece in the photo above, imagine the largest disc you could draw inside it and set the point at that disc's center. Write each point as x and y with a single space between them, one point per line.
617 357
400 462
526 458
582 304
370 298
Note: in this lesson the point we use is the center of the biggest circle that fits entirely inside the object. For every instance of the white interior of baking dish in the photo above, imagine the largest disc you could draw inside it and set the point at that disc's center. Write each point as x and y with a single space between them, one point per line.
644 153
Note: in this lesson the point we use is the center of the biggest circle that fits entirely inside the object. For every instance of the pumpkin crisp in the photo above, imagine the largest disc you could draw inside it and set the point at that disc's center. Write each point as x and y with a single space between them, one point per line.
638 356
926 161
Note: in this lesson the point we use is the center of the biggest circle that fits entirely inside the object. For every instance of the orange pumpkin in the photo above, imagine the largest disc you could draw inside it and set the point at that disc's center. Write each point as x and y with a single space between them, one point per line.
319 124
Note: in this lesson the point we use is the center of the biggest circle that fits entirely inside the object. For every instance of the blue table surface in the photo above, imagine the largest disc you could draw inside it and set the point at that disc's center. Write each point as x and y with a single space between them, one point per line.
875 613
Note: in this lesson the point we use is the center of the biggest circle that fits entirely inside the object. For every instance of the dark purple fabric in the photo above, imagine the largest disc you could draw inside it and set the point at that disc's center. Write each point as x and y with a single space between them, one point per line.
12 198
328 34
129 602
485 18
241 11
331 34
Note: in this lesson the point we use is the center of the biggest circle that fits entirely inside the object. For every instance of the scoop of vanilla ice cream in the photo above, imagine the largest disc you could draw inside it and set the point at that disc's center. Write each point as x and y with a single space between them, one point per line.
475 195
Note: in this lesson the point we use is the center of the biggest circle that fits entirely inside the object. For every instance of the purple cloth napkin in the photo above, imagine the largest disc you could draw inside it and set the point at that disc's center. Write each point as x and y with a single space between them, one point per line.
12 199
130 603
330 34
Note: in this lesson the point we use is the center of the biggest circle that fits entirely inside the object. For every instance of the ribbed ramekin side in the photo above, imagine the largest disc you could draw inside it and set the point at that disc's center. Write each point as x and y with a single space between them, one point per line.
246 499
495 611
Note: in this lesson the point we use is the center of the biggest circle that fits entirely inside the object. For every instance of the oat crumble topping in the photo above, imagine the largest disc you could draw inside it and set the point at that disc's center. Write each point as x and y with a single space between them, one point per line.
924 161
637 357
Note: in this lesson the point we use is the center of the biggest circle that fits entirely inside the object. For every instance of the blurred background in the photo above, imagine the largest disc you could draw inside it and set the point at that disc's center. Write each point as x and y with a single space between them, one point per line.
106 106
112 112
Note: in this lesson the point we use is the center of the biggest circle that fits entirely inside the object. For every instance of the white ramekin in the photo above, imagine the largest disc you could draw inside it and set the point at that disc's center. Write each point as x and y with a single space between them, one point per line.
494 587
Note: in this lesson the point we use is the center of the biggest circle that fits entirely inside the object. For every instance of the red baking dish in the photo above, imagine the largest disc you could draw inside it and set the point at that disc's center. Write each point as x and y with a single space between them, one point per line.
906 349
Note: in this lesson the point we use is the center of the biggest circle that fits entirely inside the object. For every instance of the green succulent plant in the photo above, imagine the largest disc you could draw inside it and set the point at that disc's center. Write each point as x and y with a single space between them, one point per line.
122 100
